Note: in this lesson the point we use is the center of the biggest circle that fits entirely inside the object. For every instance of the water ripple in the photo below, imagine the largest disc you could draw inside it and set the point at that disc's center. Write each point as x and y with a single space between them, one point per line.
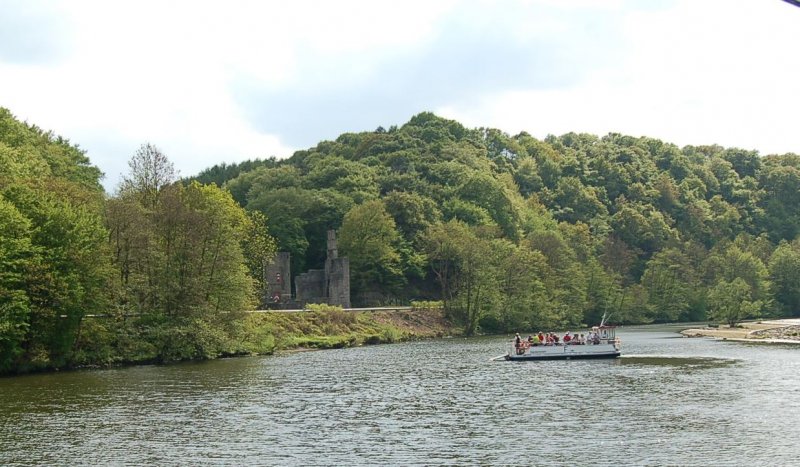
666 402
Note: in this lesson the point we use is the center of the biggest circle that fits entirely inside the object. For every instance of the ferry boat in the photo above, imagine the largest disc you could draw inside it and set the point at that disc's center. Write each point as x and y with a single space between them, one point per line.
602 344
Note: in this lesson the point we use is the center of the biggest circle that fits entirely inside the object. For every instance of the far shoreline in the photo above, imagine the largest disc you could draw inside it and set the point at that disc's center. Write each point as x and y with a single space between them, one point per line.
777 331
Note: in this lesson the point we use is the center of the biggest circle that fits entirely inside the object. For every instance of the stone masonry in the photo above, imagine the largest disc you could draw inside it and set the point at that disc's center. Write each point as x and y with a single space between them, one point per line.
330 285
278 275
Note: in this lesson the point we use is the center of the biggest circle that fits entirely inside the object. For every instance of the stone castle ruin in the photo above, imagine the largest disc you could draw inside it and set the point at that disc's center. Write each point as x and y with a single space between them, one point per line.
278 276
330 285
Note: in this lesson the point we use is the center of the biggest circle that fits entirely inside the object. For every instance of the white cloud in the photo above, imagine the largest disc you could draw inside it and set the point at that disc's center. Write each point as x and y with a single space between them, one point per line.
210 83
698 73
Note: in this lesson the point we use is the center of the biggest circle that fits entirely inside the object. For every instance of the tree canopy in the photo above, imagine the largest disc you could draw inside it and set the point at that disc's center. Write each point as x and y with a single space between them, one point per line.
509 231
632 226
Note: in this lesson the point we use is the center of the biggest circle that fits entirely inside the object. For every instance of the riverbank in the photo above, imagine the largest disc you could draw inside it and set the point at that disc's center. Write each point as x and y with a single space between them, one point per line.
337 328
779 331
106 342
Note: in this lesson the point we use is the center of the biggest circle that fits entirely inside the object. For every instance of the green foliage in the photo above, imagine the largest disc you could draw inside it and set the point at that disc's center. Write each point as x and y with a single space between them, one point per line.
27 151
258 248
299 218
509 232
222 173
370 239
53 260
466 271
150 172
731 302
728 262
669 280
16 252
784 275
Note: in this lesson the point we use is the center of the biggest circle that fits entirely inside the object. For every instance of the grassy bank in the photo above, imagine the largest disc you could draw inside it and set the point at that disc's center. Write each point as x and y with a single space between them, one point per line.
113 341
107 342
337 328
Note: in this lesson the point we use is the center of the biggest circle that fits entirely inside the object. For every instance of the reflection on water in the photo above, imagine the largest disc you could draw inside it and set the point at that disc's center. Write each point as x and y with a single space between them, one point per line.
665 402
685 362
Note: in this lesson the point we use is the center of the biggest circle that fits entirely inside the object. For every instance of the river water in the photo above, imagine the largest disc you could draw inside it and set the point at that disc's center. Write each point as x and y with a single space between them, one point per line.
667 401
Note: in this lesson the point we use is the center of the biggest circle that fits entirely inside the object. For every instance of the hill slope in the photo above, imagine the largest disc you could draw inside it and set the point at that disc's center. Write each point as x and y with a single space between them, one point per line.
564 228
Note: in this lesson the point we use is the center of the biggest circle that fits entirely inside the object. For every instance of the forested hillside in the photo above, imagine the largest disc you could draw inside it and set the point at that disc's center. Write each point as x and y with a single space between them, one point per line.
519 233
510 232
167 268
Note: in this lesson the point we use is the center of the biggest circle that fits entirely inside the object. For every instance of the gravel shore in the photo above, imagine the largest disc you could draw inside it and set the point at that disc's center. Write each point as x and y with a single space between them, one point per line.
773 331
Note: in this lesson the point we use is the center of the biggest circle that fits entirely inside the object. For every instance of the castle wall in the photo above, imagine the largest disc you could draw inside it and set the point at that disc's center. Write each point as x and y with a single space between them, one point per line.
338 272
330 285
310 287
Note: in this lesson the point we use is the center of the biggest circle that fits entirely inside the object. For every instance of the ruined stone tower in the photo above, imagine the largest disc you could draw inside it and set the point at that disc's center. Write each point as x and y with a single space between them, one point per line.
337 274
330 285
278 276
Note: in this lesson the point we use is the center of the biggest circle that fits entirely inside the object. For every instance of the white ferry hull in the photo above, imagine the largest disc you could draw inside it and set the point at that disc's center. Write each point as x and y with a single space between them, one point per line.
566 352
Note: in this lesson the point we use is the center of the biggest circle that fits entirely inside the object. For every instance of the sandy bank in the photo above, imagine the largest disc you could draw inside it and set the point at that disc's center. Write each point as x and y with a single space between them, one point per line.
779 331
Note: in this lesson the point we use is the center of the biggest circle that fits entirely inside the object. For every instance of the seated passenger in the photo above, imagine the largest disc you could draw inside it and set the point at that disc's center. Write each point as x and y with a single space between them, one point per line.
567 338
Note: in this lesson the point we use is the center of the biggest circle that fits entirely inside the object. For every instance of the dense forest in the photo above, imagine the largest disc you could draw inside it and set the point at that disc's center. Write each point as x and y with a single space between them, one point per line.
513 232
169 267
510 232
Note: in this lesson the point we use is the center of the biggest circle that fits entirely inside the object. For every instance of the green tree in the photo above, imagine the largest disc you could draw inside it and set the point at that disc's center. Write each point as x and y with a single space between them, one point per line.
370 239
466 268
564 279
441 246
68 276
731 302
413 213
728 262
784 274
572 201
669 282
150 171
258 248
16 255
475 282
521 292
179 255
42 154
780 180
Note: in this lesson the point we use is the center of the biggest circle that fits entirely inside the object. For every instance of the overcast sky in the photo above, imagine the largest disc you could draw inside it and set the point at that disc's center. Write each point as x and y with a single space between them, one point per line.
212 82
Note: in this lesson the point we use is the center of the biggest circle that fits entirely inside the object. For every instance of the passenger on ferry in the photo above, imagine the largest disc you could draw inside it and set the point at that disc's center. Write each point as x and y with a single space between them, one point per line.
567 338
582 339
541 338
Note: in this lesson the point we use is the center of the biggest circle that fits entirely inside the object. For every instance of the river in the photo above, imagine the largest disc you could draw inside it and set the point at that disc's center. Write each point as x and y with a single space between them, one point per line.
667 401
